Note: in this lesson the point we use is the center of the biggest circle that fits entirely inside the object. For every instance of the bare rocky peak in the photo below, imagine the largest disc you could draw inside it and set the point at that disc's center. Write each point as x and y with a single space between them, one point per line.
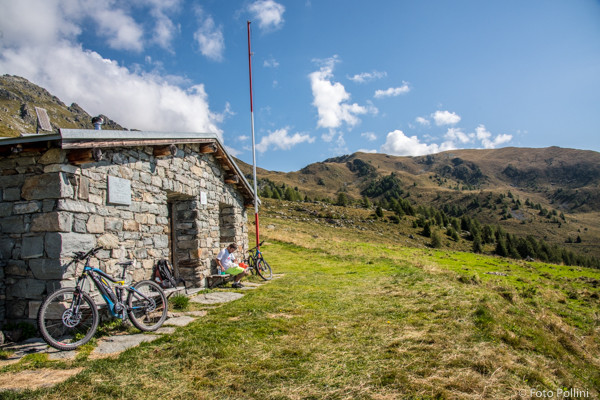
18 99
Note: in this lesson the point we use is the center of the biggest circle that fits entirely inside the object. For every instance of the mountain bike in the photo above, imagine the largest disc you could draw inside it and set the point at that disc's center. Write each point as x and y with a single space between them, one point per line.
257 263
69 317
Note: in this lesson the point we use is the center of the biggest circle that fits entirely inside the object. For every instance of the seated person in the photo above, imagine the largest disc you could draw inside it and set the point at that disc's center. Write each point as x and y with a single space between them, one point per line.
226 264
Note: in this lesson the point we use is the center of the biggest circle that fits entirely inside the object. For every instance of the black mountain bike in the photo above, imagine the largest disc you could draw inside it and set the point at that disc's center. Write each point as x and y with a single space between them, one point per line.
69 317
257 263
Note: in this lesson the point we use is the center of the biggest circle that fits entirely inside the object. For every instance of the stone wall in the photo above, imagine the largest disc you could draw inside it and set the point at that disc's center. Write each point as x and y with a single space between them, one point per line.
50 209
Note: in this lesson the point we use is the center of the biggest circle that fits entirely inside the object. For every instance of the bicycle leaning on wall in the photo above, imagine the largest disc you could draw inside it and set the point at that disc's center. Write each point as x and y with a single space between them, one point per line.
257 263
68 318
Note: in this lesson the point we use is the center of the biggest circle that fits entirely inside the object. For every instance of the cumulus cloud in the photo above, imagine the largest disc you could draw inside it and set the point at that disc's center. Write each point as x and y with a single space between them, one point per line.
268 13
445 118
54 20
134 98
330 98
397 143
282 140
209 36
367 76
486 138
423 121
456 134
120 29
393 92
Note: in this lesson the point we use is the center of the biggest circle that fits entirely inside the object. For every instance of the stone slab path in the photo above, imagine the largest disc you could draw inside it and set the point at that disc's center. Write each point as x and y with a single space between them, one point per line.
117 344
107 347
216 297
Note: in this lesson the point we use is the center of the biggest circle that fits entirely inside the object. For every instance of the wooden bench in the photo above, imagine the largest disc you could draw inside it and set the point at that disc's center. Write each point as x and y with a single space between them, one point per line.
217 280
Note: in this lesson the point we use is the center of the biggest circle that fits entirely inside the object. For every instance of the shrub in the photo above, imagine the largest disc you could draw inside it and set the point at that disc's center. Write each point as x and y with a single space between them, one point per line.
180 302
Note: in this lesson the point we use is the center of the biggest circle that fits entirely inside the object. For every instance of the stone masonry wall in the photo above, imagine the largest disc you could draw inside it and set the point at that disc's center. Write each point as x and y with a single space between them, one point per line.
50 209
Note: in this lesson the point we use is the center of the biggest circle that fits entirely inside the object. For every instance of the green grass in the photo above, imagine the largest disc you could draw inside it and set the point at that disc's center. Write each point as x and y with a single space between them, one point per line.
352 318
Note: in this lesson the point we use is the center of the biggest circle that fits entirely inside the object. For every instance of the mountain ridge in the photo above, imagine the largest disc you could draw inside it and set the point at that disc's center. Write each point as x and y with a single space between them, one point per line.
18 99
552 193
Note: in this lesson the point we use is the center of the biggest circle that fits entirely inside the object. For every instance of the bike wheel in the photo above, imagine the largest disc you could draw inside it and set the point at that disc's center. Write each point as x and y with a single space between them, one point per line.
68 319
264 269
147 306
252 265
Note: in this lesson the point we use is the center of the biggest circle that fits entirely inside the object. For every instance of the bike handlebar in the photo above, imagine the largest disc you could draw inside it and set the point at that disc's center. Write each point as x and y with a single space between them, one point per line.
260 244
80 255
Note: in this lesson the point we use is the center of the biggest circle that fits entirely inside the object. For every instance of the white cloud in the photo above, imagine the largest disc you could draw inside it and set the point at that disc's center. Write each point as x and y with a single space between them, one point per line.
209 37
445 118
165 30
456 134
20 26
268 13
134 98
120 29
485 137
366 151
330 99
370 136
423 121
43 22
281 140
397 143
367 76
393 92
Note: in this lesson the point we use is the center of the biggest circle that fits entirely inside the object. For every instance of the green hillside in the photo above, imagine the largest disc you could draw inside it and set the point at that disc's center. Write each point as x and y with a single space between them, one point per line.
355 313
551 194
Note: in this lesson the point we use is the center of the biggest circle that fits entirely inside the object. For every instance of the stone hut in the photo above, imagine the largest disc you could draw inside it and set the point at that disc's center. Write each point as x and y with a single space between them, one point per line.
177 196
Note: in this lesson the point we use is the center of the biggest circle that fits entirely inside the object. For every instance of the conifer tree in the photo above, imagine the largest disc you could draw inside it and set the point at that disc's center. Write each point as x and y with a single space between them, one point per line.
436 240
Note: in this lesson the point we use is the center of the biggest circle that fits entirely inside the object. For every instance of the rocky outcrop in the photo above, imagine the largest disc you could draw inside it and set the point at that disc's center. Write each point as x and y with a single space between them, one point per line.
19 98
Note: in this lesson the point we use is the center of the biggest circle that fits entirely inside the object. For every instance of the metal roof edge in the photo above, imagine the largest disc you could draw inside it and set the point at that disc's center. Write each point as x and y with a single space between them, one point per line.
29 138
92 134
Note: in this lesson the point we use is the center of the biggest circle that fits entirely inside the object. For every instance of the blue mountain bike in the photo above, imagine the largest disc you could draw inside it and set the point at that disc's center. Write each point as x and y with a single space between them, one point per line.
69 317
257 263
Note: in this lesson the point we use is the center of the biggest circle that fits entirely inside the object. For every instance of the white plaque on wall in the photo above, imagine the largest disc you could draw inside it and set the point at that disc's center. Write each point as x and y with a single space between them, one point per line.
119 191
203 199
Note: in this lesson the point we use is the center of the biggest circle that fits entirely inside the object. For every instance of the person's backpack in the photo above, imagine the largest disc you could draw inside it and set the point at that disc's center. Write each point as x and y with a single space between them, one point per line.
163 274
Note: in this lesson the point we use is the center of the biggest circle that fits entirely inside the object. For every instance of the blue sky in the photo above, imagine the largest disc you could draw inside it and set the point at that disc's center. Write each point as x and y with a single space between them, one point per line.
331 77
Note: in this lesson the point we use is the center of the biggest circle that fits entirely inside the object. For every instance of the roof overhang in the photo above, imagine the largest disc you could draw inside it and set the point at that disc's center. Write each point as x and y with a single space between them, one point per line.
85 139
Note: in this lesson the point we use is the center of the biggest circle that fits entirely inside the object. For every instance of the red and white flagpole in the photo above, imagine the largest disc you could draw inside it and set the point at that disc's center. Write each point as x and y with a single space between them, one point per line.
253 142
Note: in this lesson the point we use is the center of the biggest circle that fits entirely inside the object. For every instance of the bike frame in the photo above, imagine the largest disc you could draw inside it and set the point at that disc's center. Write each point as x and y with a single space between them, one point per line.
112 298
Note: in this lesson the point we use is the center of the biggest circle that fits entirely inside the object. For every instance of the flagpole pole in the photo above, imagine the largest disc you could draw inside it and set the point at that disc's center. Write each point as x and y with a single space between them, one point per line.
253 141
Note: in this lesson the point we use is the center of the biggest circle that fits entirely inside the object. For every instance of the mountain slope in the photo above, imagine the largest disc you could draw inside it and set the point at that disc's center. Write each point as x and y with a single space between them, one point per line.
550 193
550 174
18 99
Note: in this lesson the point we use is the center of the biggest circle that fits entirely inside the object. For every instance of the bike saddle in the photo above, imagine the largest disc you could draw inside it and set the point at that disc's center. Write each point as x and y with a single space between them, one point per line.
125 263
79 254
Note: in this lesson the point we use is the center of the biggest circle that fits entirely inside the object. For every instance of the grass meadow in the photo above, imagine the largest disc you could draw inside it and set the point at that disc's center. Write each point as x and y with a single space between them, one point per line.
353 315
